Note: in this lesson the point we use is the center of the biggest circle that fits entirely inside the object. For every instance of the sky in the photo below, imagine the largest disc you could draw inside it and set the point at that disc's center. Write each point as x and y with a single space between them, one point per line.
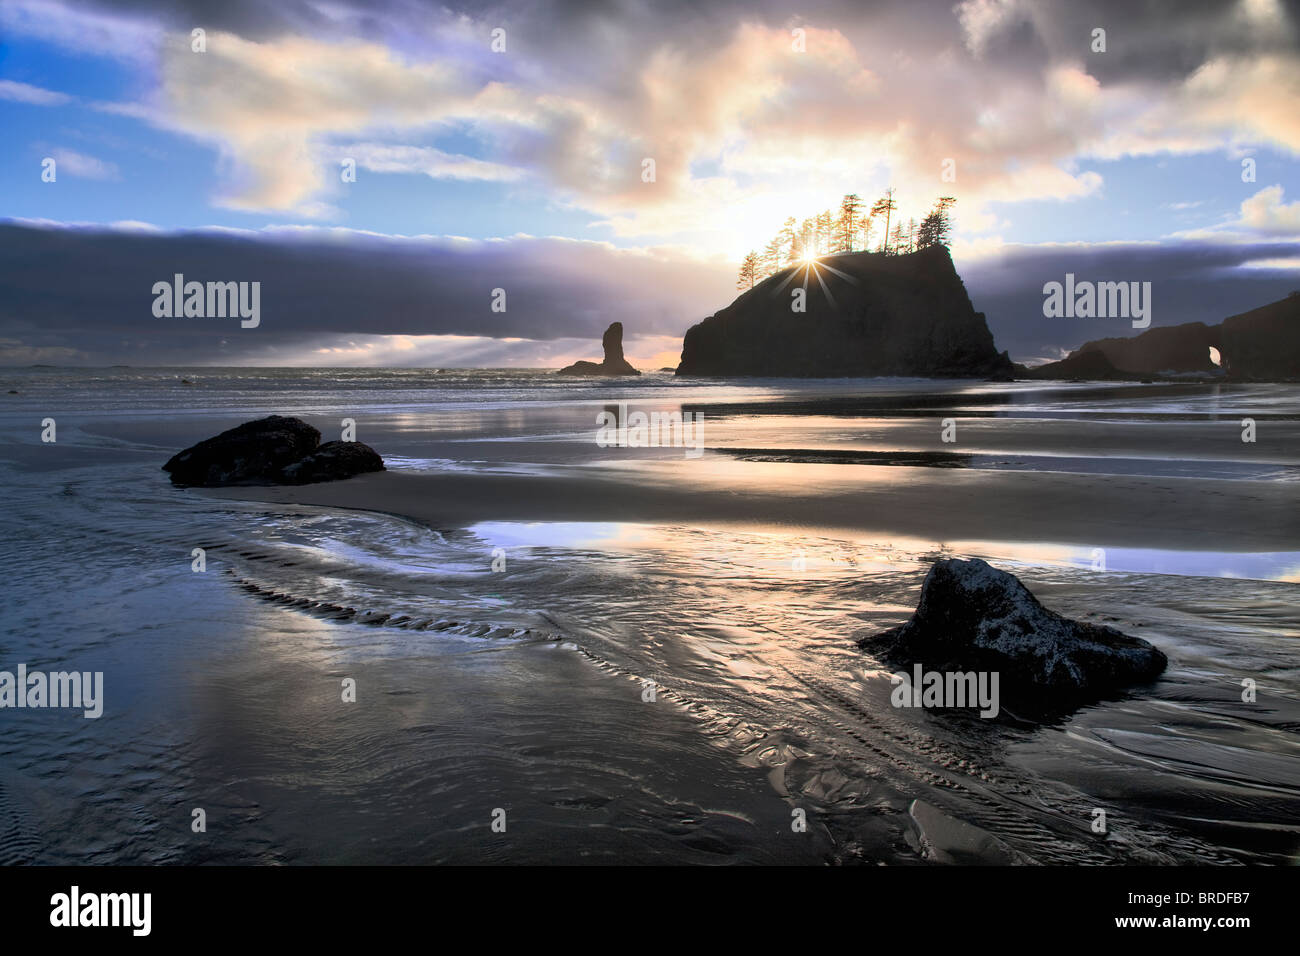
504 146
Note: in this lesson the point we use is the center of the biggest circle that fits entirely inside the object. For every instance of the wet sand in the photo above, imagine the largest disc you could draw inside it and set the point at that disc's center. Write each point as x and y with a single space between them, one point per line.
931 503
734 582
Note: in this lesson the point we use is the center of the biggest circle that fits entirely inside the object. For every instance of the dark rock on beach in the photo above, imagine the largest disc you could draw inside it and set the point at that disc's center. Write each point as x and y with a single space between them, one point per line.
273 450
332 461
974 617
614 363
253 452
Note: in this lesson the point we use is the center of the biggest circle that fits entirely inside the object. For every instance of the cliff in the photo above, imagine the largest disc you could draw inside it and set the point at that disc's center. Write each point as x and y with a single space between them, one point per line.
1264 343
866 314
1260 345
1172 348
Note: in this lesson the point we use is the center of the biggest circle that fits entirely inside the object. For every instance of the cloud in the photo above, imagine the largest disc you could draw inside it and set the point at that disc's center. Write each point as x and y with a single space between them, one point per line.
267 106
1262 216
1251 97
434 163
1265 214
16 352
743 129
82 166
981 20
470 351
35 95
1274 265
128 35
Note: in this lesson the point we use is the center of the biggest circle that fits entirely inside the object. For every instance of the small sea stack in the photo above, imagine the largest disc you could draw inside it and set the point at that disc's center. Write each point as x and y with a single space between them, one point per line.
614 363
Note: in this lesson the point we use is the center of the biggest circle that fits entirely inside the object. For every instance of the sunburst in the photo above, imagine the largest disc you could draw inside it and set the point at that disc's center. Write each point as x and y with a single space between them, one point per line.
810 267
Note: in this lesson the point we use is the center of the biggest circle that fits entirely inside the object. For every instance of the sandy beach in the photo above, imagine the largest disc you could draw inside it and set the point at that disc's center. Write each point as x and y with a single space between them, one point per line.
509 592
937 504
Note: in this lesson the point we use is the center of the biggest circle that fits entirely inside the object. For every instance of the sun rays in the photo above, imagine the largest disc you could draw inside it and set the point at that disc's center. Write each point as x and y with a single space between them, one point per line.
811 267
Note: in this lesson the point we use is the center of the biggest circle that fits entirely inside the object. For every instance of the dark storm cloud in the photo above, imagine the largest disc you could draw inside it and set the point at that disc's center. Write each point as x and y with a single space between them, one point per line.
90 289
1157 39
254 19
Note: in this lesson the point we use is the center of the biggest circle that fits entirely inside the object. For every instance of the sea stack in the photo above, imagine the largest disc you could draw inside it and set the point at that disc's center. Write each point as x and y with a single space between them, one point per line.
863 314
614 363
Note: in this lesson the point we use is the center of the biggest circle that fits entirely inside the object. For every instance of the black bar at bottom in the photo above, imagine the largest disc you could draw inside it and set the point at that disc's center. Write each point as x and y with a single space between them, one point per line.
333 904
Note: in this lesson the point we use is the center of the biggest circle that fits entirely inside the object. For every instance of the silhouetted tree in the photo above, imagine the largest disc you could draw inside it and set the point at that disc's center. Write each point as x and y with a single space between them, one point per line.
823 226
847 224
805 239
830 233
936 227
748 271
885 205
927 233
769 263
899 239
868 224
944 235
786 240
